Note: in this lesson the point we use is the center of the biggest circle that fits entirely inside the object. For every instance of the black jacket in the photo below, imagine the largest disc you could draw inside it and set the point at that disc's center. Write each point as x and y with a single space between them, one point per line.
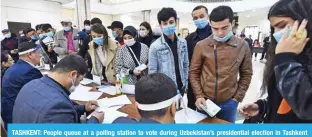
294 84
148 40
51 55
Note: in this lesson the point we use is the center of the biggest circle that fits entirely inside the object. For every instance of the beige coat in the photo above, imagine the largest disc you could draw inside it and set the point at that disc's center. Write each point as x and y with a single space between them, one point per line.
109 63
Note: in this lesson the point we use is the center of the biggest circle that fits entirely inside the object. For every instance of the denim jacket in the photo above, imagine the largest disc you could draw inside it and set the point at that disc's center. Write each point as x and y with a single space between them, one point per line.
161 59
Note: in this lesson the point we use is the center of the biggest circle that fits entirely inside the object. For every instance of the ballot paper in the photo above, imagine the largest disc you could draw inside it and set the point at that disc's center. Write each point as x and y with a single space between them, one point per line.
110 115
115 101
82 93
188 116
111 90
128 89
96 81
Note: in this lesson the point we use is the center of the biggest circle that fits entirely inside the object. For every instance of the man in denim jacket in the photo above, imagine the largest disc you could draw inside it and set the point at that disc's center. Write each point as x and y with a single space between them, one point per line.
168 54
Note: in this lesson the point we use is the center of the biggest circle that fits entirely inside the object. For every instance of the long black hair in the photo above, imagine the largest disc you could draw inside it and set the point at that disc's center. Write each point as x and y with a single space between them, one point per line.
297 10
100 29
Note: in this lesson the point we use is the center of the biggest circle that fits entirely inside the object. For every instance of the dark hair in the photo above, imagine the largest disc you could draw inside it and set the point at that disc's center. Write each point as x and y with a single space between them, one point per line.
165 13
154 88
4 57
95 20
86 22
45 27
200 7
100 29
242 35
221 13
71 63
297 10
147 26
38 26
27 30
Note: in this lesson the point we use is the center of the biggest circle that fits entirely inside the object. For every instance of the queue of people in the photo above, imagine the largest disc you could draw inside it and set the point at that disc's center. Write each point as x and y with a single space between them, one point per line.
163 66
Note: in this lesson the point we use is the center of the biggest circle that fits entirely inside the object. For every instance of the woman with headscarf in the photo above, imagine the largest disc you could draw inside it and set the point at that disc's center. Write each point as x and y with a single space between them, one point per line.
132 58
288 71
102 51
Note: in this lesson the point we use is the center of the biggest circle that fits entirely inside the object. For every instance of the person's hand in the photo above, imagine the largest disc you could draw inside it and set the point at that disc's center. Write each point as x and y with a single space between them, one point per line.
296 41
50 49
13 51
91 105
99 116
199 102
71 52
249 110
136 72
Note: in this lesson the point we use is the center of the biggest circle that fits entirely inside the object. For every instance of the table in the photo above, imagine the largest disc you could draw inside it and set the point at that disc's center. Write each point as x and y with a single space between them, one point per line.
133 112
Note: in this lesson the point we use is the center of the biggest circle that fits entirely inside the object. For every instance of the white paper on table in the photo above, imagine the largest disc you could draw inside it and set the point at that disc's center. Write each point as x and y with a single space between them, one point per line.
85 96
110 115
96 79
86 81
191 116
128 89
111 90
81 88
104 109
115 101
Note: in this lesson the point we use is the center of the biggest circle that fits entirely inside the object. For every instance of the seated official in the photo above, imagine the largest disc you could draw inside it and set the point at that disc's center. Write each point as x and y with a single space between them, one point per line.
46 100
155 96
6 62
18 75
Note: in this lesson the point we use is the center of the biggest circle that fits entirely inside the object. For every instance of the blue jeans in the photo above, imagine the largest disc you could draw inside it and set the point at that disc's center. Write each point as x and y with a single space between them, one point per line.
228 110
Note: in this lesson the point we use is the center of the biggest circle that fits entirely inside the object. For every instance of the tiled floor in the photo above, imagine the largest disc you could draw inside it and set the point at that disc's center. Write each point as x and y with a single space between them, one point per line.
254 91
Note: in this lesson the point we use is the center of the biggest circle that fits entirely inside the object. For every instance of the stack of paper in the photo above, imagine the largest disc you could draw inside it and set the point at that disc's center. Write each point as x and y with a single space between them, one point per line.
82 93
188 116
96 80
111 90
128 89
115 101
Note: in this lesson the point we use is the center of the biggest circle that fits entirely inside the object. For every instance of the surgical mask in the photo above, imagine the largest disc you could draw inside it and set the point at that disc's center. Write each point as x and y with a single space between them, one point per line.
67 28
8 35
143 33
34 37
42 35
73 87
87 28
98 40
22 35
201 23
279 35
169 30
115 34
225 38
50 34
129 42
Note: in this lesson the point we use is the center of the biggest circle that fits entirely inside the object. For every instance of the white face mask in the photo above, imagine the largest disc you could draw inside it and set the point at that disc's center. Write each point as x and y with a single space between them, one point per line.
129 42
143 33
73 87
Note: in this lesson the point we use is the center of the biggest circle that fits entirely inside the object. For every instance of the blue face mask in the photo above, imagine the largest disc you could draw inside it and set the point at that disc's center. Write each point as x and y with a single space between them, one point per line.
225 38
7 35
98 40
201 23
67 28
50 34
42 35
169 30
115 35
34 37
279 35
87 28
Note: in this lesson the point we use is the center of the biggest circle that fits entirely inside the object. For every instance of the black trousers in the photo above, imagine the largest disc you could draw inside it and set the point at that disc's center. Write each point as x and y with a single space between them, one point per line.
191 97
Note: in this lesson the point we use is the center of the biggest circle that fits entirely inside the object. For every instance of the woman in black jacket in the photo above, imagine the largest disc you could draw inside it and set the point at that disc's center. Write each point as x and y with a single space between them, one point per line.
146 34
288 71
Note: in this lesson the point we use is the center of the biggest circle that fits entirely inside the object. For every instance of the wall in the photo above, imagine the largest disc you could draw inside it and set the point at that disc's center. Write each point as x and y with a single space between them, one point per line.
32 11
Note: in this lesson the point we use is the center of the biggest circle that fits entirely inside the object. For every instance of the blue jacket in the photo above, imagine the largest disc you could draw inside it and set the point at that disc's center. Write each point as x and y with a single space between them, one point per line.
161 59
13 80
46 101
127 120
